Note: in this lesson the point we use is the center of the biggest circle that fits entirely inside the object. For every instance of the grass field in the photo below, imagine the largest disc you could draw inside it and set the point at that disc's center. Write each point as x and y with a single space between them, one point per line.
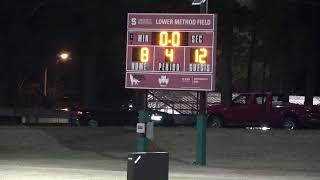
106 149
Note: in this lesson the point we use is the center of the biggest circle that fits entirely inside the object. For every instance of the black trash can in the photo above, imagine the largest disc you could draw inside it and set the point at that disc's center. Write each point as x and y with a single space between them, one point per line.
148 166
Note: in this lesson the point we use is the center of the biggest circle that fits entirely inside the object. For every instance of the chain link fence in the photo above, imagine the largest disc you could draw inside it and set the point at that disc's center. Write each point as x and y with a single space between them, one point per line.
186 102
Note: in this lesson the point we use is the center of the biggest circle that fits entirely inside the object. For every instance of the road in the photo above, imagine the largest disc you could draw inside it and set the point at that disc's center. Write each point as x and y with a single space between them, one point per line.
100 153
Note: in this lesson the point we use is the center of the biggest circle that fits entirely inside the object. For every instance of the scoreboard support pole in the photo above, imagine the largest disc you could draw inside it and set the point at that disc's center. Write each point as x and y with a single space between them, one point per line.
201 133
201 144
142 141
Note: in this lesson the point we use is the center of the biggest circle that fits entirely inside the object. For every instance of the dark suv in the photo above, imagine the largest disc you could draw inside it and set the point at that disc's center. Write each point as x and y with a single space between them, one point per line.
110 116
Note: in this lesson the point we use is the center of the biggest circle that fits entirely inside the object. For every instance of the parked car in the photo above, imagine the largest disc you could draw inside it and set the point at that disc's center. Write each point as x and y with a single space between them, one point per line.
47 116
10 120
8 116
115 116
256 109
161 118
105 117
35 116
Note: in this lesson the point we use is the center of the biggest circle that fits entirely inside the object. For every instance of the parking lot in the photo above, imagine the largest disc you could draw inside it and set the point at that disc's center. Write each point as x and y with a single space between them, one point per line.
101 153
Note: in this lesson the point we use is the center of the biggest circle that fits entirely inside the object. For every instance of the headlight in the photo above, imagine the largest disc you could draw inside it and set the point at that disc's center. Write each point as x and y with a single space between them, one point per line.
156 117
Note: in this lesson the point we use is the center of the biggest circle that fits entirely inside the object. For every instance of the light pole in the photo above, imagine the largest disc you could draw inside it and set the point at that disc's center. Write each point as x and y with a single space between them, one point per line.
45 81
63 57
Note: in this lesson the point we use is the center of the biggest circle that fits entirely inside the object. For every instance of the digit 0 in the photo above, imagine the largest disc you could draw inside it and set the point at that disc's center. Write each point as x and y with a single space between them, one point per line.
175 39
163 38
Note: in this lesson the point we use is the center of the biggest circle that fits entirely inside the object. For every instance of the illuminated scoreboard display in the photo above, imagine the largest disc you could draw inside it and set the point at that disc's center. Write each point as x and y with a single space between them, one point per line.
171 51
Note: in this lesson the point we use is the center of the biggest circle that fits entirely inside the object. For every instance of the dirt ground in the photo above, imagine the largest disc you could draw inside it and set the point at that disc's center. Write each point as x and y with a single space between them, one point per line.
93 153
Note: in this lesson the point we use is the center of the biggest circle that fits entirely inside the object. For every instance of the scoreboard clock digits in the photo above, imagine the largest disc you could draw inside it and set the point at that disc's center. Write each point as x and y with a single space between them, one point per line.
200 56
144 55
140 58
198 60
174 39
170 44
169 41
169 55
169 64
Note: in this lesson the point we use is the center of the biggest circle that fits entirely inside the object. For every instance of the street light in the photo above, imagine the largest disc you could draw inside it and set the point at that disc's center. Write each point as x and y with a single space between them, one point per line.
203 5
63 57
198 2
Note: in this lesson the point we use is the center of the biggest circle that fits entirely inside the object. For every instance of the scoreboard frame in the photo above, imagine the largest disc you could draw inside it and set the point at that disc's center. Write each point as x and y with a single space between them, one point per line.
171 51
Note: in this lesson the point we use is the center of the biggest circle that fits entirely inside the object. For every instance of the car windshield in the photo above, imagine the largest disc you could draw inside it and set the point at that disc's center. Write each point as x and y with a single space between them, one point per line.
240 100
279 100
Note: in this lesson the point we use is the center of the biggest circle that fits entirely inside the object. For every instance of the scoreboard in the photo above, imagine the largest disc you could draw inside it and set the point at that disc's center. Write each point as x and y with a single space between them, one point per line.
171 51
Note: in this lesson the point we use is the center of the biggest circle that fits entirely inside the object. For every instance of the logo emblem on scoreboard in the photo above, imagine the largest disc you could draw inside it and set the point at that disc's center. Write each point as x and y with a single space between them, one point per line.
134 21
134 81
163 81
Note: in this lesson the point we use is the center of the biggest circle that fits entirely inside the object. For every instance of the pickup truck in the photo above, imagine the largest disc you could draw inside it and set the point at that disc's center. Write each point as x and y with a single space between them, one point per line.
262 109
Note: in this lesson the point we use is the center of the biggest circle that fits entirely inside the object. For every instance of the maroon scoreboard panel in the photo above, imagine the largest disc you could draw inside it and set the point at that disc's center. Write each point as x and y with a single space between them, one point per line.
171 51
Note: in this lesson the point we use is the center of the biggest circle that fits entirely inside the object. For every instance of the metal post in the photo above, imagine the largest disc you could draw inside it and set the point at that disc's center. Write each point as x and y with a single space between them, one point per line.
201 131
45 81
201 143
143 118
198 103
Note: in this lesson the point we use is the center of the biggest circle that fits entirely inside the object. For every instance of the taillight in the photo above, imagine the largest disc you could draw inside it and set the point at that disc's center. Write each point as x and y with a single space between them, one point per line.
79 113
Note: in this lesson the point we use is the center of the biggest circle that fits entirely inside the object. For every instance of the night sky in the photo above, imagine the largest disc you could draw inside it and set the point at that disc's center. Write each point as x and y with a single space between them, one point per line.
33 32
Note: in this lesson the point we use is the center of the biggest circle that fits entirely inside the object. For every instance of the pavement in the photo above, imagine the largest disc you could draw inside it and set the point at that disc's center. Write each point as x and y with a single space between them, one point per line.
68 153
30 172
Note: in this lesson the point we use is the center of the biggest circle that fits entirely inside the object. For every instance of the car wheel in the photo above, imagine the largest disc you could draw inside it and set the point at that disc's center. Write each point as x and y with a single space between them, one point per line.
93 123
215 122
289 123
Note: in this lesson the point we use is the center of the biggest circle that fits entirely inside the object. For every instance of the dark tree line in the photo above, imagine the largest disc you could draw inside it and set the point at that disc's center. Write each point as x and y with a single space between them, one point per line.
263 45
269 46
